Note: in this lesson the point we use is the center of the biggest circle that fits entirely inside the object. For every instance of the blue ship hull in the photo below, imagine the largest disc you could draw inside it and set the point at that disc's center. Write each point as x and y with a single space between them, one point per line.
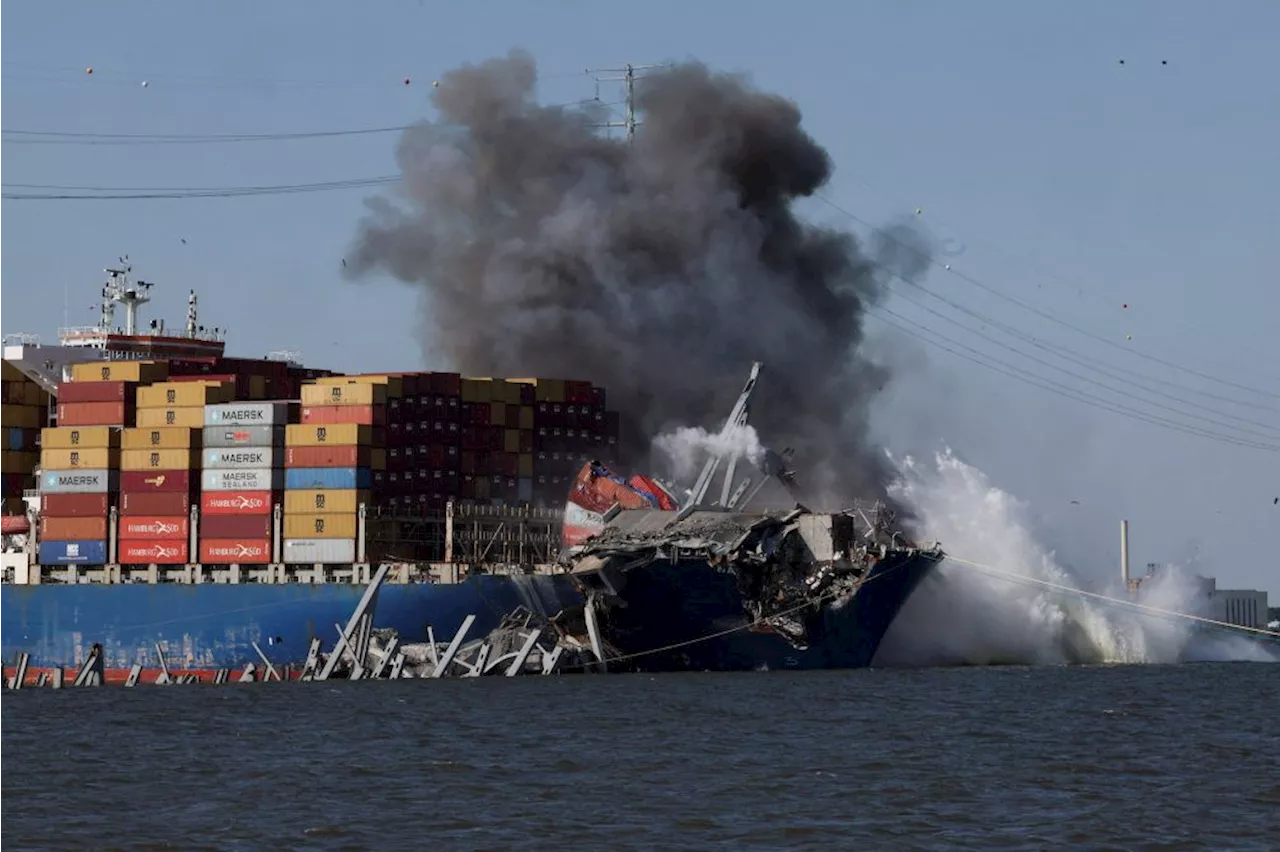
213 626
694 614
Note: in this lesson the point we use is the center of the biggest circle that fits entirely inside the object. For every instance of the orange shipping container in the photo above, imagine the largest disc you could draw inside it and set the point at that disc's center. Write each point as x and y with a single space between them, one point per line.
92 414
159 459
328 525
120 371
70 438
98 458
309 435
353 393
365 415
185 394
351 455
225 551
73 529
160 438
191 417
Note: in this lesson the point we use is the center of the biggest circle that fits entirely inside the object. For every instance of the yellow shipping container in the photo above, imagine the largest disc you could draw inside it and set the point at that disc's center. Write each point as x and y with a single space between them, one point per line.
12 373
24 416
477 390
79 437
191 417
507 392
16 462
526 465
545 390
185 394
89 458
181 459
120 371
351 393
333 434
161 438
327 525
526 417
511 441
498 414
323 502
393 384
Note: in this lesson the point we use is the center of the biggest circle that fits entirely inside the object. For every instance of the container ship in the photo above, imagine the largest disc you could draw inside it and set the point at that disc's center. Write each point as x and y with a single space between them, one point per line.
165 501
161 495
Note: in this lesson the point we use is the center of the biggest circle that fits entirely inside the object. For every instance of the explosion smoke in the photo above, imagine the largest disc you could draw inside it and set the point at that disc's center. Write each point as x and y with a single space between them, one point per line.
659 269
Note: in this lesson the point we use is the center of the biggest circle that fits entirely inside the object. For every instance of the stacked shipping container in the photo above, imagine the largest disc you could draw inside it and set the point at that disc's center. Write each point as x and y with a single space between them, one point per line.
330 459
24 409
241 481
78 478
159 466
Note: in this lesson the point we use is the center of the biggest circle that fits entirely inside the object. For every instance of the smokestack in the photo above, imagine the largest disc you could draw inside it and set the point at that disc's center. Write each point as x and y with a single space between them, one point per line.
1124 553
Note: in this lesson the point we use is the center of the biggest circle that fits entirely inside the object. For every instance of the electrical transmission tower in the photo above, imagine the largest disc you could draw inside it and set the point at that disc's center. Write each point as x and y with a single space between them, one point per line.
628 79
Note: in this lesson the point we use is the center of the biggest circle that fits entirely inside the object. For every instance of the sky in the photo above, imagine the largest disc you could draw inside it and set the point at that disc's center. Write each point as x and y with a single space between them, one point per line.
1114 220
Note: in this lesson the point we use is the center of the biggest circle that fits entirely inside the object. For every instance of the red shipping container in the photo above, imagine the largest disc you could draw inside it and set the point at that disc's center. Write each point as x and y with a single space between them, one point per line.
326 415
236 502
73 529
137 481
95 414
134 552
214 551
157 504
74 505
235 526
153 528
73 392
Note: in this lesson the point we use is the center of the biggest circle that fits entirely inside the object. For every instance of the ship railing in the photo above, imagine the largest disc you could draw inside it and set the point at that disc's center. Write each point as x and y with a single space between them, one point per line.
21 339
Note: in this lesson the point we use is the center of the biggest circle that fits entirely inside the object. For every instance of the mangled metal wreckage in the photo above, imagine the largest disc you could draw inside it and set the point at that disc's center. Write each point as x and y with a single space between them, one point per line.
687 584
719 590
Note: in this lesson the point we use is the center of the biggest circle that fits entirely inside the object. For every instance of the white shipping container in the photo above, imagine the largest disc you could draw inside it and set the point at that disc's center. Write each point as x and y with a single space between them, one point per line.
93 481
319 551
258 479
246 414
239 458
231 435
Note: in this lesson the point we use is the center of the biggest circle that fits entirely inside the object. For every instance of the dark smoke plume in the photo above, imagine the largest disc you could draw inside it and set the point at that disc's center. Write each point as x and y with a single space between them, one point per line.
660 269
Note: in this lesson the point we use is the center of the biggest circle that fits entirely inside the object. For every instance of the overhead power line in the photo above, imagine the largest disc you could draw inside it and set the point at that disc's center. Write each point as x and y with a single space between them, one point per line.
1041 313
66 137
998 365
53 192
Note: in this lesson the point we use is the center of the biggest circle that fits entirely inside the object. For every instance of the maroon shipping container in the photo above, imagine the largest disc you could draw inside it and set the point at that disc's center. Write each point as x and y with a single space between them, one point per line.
235 526
155 504
446 384
69 392
74 505
136 481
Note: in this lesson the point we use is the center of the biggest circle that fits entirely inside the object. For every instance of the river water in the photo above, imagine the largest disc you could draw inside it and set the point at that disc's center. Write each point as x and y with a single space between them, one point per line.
1109 757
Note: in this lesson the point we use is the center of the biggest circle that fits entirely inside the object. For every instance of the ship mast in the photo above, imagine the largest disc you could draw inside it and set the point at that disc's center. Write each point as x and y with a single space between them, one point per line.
119 289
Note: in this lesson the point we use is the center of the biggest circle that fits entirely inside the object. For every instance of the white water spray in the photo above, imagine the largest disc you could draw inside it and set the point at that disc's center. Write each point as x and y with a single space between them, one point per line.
961 615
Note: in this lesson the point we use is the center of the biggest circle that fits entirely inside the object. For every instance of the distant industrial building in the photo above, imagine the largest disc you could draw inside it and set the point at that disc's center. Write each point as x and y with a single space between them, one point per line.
1241 607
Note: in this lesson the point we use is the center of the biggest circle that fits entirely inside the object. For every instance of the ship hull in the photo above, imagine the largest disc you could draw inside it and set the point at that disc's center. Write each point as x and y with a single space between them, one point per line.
695 615
206 627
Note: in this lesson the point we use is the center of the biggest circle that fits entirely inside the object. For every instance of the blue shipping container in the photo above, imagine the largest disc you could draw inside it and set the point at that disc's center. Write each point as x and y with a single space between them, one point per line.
14 438
73 553
338 478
